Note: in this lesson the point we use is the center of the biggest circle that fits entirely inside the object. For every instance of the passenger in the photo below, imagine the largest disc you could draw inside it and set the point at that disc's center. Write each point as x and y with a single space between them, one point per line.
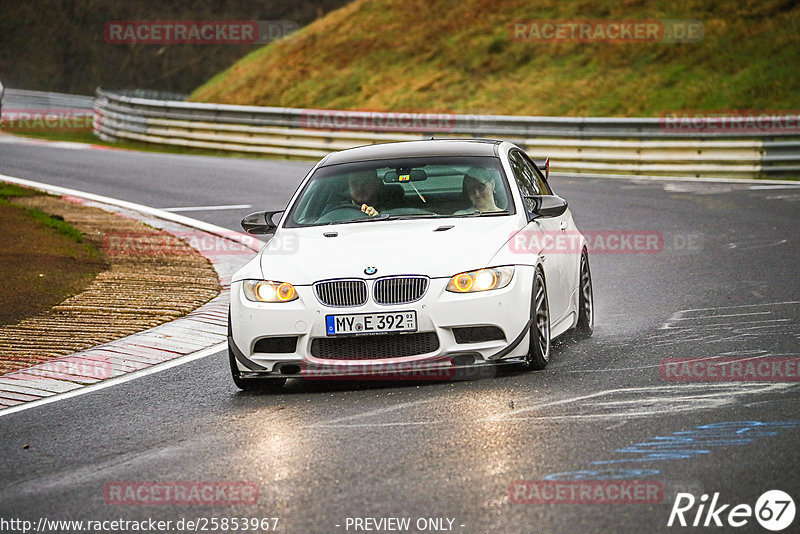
479 186
367 190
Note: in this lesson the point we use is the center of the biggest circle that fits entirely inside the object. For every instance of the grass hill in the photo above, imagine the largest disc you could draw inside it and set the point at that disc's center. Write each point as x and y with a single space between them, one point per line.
459 56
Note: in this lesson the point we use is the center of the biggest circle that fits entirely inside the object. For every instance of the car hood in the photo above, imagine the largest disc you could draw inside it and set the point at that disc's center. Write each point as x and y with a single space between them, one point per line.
303 256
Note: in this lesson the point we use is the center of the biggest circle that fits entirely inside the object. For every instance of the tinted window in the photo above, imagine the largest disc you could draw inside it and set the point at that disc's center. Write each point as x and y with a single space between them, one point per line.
524 174
541 184
412 187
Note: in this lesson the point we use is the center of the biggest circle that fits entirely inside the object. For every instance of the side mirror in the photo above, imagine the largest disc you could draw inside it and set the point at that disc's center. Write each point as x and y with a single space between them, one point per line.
260 222
545 206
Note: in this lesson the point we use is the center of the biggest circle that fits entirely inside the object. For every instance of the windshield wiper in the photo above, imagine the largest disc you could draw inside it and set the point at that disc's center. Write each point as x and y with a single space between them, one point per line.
412 216
482 214
365 219
493 213
471 214
387 217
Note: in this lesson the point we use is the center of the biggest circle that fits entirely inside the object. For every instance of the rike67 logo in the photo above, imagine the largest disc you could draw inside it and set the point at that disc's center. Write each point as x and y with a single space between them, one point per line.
774 510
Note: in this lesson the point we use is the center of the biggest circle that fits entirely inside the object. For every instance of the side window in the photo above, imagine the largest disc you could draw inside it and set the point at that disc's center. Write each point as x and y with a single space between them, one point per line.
541 184
526 180
523 174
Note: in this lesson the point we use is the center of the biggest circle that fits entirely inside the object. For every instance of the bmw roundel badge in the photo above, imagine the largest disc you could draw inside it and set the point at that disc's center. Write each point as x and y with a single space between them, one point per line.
370 270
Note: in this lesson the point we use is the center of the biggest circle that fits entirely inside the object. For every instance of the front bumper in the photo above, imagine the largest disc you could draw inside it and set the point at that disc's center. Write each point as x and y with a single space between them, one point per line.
439 312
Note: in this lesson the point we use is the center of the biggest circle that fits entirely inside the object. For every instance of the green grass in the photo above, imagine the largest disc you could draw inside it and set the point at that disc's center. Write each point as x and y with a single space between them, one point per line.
13 190
458 56
63 227
44 259
58 223
51 221
10 191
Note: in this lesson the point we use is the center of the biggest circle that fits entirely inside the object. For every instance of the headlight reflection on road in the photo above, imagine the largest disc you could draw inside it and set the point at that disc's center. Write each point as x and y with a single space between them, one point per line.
274 447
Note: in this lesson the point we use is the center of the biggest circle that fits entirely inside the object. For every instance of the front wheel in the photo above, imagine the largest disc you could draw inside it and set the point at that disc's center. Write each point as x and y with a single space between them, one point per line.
585 325
539 349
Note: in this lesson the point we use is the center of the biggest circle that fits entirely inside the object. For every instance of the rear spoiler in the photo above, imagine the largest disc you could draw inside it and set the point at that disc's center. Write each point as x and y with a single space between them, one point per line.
544 165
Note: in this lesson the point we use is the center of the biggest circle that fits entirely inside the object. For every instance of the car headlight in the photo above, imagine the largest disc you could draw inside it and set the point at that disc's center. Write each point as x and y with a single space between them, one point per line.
268 291
481 280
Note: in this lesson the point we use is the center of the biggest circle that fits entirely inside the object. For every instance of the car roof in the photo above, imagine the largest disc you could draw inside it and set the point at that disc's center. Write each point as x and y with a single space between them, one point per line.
410 149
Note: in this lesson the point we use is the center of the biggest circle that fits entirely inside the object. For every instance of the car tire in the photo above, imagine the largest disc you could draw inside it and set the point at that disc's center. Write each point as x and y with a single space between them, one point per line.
585 325
539 347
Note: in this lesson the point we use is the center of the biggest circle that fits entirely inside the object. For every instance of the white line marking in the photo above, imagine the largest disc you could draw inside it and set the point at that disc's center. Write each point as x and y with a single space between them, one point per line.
718 316
787 186
639 368
118 380
380 411
161 214
187 221
505 415
757 244
767 304
701 327
378 425
209 208
609 392
686 402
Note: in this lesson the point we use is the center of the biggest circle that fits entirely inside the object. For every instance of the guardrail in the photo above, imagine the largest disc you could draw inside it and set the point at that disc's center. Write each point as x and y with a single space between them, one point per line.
24 111
588 145
24 99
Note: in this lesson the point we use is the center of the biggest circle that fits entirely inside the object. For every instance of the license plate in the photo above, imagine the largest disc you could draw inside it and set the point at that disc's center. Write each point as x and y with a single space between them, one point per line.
371 323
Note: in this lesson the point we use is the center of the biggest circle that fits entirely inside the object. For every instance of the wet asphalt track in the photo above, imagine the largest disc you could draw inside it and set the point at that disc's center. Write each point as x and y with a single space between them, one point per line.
321 453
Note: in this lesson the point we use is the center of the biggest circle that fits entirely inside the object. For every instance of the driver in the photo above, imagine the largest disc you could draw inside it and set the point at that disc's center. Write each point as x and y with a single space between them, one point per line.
366 190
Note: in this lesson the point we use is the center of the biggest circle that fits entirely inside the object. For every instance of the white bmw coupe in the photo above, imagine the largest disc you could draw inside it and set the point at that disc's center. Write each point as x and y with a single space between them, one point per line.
440 254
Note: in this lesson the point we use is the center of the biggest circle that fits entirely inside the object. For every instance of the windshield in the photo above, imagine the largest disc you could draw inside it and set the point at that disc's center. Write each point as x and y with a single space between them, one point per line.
431 187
